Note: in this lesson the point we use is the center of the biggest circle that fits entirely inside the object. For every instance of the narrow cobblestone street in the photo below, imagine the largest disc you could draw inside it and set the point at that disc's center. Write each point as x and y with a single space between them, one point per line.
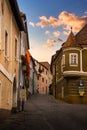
43 112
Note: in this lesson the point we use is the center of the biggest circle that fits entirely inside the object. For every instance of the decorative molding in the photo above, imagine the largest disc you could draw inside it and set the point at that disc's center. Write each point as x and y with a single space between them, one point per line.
71 48
5 72
81 73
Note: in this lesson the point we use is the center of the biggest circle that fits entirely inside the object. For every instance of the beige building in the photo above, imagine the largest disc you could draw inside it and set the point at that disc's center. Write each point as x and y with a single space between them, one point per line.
10 27
44 77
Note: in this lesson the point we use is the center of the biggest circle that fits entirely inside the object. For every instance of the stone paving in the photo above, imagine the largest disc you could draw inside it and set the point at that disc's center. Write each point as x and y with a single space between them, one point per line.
43 112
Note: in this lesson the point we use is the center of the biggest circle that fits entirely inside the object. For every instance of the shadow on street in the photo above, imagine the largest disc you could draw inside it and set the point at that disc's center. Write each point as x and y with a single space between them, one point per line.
43 112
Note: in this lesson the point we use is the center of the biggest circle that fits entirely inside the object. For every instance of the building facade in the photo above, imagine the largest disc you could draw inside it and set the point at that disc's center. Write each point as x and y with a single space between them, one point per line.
23 78
69 69
10 26
32 77
43 77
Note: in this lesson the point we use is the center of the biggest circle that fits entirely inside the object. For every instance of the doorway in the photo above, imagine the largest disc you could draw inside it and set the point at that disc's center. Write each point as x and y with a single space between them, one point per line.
14 102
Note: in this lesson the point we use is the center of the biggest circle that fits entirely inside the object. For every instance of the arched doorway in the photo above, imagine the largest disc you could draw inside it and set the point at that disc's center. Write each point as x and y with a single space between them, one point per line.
14 101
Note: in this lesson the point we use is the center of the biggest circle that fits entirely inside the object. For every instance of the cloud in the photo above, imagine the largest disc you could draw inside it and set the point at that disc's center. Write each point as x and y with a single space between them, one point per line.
71 20
48 46
47 32
50 43
51 22
56 33
60 40
65 19
32 24
66 33
85 12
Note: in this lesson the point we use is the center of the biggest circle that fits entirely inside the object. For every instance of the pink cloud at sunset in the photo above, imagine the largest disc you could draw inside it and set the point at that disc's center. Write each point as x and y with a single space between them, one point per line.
47 32
56 33
51 43
65 19
66 33
71 20
51 22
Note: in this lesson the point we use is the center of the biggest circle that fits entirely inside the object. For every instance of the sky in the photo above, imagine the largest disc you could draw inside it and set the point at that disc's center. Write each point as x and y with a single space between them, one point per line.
49 24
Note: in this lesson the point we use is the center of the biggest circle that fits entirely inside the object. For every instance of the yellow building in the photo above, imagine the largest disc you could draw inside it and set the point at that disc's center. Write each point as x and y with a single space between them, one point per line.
10 26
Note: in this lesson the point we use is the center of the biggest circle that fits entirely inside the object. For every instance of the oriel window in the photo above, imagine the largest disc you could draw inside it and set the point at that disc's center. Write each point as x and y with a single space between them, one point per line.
73 59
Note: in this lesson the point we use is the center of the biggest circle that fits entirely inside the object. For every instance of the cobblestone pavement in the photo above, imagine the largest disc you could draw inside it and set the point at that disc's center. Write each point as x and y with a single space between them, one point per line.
43 112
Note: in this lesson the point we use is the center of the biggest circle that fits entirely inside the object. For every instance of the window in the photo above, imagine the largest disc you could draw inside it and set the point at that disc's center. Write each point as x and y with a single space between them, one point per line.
38 77
42 79
2 7
62 63
73 59
6 43
16 49
63 60
43 69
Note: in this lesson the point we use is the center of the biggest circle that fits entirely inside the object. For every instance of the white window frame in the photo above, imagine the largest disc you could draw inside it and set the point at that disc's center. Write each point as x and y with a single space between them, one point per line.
72 62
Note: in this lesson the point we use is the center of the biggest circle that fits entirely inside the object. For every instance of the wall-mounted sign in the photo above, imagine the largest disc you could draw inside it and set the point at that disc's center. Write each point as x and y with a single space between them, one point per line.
81 91
81 82
23 94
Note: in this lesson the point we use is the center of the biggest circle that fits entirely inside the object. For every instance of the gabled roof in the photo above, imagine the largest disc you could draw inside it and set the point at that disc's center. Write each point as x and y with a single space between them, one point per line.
79 39
82 36
16 13
45 64
71 41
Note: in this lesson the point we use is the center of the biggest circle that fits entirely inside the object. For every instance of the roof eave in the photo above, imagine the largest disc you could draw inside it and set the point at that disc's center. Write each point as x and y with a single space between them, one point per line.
16 13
